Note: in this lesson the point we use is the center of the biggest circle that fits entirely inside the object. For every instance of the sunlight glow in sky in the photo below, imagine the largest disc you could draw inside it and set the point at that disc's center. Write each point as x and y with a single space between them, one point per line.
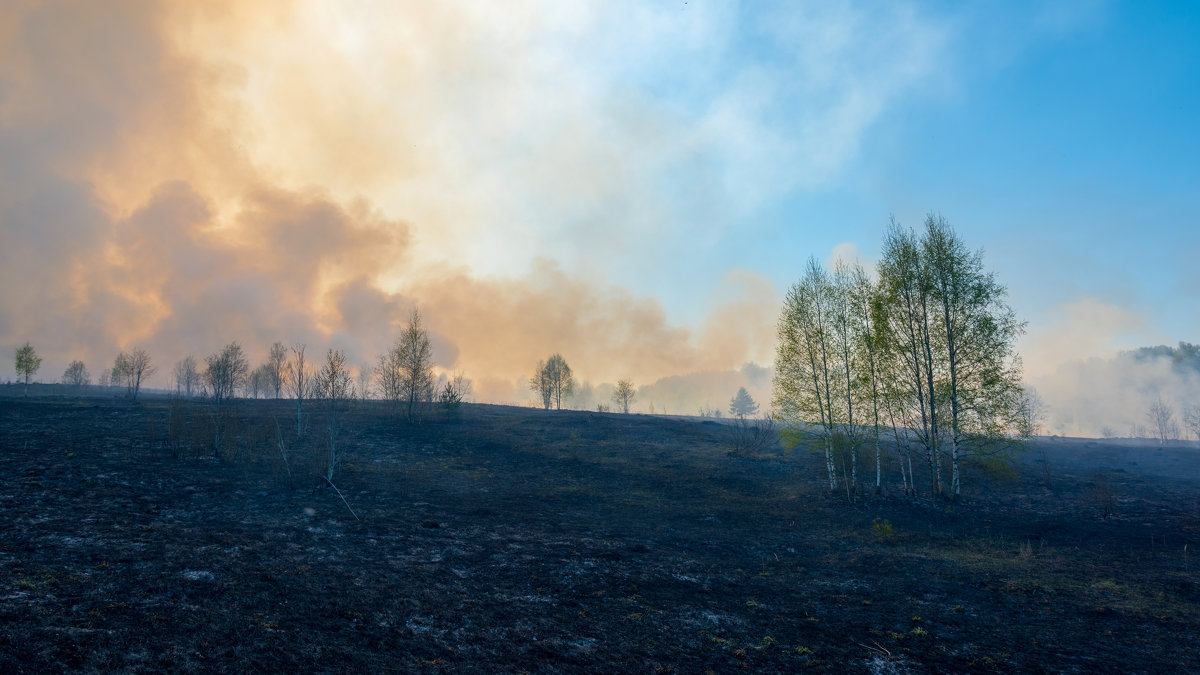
633 184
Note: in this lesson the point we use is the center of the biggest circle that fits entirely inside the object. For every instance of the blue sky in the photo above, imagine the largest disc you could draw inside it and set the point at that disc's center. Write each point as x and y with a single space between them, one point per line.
633 184
1064 144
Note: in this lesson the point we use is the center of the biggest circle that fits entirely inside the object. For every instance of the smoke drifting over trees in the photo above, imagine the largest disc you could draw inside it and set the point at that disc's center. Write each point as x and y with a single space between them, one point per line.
1086 398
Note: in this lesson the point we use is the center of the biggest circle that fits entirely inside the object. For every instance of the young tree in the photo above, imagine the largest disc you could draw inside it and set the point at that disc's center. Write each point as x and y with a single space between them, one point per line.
121 370
976 337
416 359
131 369
540 384
553 381
187 376
803 396
364 382
76 375
743 404
1162 420
903 316
864 295
261 381
1191 419
624 395
27 362
276 367
299 376
225 372
389 371
333 384
1031 413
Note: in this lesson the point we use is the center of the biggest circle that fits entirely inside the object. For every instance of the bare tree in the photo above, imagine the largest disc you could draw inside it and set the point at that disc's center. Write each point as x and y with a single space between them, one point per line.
416 359
389 372
299 383
1191 419
743 404
225 372
624 395
187 376
364 382
553 380
540 384
131 369
27 362
76 375
261 383
276 367
333 384
1162 419
1031 413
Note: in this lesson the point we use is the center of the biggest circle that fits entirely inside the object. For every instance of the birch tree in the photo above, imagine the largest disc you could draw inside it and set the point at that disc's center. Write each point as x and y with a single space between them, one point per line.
905 325
863 298
803 395
76 374
187 376
976 335
540 385
276 367
299 383
624 394
333 384
224 373
27 362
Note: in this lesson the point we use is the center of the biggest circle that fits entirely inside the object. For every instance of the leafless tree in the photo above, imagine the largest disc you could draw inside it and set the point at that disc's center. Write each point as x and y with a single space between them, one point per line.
624 395
299 383
1162 420
277 367
364 382
131 369
333 384
76 375
260 383
416 358
389 372
1191 419
187 376
225 372
540 385
1031 413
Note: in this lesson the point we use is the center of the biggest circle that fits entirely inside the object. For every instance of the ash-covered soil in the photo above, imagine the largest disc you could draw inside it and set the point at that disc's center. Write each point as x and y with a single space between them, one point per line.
516 540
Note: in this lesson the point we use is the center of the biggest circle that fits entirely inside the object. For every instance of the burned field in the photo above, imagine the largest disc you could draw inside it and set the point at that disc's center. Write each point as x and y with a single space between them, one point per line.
509 540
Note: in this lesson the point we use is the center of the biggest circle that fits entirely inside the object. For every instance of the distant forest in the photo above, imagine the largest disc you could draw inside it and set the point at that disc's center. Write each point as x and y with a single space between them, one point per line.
1185 358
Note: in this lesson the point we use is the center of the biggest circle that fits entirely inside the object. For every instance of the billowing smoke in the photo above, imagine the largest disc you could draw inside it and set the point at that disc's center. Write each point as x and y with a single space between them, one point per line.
1112 396
141 206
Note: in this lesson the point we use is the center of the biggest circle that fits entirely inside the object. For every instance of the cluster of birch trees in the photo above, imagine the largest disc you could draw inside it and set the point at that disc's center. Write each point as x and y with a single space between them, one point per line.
922 356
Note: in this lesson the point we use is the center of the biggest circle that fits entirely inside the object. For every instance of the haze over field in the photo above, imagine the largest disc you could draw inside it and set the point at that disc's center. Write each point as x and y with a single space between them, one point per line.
632 185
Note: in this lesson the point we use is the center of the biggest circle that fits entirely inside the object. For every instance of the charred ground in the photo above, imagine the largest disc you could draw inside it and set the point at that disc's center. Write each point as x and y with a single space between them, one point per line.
508 540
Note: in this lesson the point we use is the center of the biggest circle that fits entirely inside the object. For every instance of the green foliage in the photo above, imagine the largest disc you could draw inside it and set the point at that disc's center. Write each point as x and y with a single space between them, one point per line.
882 529
27 362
